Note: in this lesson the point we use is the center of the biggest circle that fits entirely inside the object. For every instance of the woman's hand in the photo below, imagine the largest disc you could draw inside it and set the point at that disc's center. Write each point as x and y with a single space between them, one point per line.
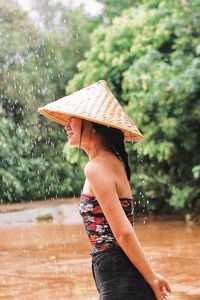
160 287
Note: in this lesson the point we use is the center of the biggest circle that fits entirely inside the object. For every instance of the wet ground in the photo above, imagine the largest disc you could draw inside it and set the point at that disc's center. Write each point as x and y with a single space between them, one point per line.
50 259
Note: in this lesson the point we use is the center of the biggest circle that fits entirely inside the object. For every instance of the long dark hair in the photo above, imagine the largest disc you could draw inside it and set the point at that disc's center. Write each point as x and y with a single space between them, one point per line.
114 139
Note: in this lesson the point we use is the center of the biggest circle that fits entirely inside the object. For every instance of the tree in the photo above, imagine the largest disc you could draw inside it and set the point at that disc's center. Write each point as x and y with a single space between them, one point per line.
114 8
150 58
36 64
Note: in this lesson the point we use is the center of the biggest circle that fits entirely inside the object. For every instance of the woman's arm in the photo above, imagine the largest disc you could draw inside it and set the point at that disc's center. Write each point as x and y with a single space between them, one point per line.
103 186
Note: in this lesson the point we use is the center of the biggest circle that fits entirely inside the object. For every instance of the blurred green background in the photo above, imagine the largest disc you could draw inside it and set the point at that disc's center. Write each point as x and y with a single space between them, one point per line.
149 54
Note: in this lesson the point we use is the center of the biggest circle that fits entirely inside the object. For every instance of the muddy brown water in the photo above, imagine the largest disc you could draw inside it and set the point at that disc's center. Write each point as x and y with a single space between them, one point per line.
50 259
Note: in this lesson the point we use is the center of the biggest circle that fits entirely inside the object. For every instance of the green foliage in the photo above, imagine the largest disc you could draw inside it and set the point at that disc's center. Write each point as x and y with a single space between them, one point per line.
114 8
75 155
180 196
196 172
150 58
149 55
22 168
36 64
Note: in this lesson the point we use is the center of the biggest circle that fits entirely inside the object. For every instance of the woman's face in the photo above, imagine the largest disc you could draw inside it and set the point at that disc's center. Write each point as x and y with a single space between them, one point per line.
74 132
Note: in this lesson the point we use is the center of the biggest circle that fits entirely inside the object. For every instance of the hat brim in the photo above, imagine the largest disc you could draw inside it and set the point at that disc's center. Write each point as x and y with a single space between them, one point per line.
63 118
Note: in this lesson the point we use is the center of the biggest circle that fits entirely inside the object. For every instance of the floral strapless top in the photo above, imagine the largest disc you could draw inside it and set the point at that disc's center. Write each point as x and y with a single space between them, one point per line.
96 225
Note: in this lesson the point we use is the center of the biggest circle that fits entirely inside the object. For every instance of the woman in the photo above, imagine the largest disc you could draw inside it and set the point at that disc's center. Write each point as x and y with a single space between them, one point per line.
96 122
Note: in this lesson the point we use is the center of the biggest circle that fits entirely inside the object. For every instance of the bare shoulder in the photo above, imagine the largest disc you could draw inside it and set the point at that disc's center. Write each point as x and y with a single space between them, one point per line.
98 167
100 178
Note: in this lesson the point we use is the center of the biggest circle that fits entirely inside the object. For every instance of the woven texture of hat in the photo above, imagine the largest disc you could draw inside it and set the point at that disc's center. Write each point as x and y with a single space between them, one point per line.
95 103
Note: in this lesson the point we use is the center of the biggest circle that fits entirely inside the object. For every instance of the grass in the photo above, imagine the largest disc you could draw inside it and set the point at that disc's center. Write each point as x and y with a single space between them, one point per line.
44 216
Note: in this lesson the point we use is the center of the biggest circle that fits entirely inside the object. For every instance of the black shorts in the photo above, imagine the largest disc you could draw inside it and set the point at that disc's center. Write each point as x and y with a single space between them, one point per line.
116 278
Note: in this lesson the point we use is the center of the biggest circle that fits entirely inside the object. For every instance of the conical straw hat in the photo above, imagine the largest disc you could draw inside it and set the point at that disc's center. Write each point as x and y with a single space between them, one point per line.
95 103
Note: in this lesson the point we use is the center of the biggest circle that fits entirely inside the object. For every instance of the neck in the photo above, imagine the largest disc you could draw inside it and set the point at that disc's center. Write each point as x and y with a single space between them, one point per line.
95 149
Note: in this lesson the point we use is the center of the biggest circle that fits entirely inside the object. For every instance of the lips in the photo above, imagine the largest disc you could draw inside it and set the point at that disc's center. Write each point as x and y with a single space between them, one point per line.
69 134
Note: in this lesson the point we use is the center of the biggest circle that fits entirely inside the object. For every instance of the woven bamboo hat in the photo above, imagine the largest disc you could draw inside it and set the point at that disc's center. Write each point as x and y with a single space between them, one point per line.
95 103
